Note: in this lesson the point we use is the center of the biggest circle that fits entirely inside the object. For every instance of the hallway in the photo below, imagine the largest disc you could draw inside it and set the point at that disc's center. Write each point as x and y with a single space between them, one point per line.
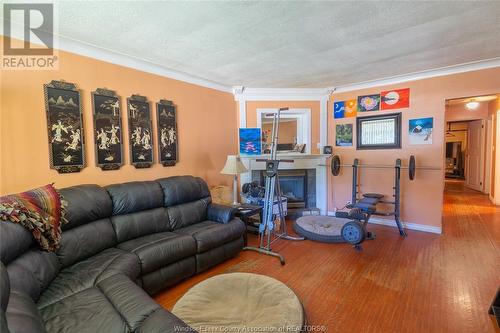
424 283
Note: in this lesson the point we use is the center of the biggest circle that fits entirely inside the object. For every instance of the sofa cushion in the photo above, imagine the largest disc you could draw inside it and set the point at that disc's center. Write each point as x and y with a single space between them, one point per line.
135 196
32 272
87 273
209 234
181 189
189 213
14 241
161 321
88 311
160 249
169 275
86 240
133 304
218 254
86 203
138 224
22 314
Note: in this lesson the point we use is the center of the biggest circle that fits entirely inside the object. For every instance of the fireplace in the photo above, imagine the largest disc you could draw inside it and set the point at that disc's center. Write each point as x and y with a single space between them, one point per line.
293 184
297 185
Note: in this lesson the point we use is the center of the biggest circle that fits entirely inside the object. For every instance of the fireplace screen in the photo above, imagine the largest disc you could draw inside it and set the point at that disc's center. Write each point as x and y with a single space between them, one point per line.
297 185
294 188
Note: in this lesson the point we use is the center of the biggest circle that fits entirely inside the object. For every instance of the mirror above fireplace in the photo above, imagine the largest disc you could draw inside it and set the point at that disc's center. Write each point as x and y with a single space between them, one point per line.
294 130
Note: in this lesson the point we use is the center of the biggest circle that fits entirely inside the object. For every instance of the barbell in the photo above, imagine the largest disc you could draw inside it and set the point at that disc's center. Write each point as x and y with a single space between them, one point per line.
412 166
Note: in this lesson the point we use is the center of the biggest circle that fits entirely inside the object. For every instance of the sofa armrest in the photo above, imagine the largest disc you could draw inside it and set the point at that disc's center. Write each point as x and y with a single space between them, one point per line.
220 213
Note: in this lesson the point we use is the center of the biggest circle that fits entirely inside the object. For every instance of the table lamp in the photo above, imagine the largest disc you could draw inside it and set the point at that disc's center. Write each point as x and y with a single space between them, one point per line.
234 166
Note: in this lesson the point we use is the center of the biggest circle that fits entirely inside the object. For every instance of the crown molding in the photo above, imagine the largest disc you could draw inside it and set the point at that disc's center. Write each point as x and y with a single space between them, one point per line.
92 51
443 71
280 94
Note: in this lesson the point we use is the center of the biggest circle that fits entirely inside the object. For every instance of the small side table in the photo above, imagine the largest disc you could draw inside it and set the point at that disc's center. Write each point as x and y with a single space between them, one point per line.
245 211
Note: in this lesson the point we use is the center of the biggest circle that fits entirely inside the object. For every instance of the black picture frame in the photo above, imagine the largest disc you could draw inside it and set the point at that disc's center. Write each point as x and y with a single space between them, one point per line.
166 116
140 129
362 121
108 134
64 126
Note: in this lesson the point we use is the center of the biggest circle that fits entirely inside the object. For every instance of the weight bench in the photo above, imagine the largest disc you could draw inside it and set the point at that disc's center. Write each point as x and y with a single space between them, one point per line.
368 204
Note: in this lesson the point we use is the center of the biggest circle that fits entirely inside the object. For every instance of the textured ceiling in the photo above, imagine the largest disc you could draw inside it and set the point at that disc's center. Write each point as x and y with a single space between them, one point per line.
289 44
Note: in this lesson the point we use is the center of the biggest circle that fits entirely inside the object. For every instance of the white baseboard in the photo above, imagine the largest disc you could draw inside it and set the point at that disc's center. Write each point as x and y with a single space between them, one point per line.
492 199
407 225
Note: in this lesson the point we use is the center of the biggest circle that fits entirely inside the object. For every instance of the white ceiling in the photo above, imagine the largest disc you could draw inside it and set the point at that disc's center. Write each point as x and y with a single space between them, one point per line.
289 44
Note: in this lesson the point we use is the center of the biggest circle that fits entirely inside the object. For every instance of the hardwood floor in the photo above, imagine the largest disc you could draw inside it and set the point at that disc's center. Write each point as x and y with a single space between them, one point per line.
424 283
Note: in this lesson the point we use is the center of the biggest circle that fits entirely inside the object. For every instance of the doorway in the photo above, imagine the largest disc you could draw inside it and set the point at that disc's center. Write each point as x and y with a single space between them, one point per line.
469 133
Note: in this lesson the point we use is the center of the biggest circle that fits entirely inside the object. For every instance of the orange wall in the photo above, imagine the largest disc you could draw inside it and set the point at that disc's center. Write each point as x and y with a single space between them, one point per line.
252 106
207 125
421 198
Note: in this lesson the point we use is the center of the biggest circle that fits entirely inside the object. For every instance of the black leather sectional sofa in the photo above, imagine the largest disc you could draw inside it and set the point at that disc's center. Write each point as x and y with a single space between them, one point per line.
122 243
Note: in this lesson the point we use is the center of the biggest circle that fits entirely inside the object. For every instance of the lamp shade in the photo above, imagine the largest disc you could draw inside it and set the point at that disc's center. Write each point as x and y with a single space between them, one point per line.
233 166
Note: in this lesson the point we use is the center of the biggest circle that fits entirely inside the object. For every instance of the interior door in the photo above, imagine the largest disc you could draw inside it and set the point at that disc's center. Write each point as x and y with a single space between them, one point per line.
475 155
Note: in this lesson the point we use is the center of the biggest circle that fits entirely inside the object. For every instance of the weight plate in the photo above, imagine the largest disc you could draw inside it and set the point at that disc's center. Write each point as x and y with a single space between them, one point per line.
353 232
335 165
246 188
412 167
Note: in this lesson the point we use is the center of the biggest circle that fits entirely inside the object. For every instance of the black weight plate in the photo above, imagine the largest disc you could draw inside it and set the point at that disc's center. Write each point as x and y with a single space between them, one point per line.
335 165
412 167
353 232
246 187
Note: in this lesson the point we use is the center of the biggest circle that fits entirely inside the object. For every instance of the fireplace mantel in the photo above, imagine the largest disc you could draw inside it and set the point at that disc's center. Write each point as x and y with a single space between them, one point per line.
301 161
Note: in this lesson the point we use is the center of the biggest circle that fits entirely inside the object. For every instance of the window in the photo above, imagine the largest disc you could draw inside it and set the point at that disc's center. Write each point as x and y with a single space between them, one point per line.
379 132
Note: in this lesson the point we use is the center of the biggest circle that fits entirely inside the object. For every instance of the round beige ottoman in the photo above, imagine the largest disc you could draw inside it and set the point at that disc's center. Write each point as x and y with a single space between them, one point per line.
241 302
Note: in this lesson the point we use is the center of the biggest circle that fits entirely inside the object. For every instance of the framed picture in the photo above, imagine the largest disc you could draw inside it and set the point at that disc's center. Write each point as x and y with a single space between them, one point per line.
369 103
328 150
140 132
420 131
64 127
338 110
107 129
250 141
395 99
343 135
167 132
350 108
379 132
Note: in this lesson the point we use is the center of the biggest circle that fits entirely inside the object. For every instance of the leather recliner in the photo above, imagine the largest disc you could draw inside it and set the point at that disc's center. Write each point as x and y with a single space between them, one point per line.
122 243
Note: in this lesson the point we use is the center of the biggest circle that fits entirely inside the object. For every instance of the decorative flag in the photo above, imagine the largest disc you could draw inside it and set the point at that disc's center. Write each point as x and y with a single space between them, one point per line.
350 108
369 103
395 99
338 110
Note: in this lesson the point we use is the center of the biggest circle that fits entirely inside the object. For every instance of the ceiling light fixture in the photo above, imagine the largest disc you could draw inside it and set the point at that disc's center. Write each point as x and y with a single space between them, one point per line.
472 105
